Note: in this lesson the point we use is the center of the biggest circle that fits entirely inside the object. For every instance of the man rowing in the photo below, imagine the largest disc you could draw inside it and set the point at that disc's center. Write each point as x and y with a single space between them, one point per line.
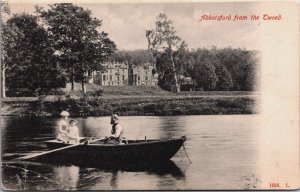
117 131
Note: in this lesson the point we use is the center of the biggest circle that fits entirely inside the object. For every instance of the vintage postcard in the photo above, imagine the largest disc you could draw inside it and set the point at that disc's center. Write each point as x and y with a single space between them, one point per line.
149 95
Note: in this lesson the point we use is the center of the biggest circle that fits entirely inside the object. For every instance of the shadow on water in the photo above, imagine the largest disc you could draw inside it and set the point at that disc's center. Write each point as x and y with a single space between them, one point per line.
70 176
159 168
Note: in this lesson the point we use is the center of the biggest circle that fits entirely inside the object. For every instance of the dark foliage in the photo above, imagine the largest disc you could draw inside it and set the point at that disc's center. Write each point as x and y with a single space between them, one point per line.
76 37
30 56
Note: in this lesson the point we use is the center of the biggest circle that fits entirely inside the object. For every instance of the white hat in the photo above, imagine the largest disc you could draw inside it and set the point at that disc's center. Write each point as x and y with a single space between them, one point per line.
73 120
64 114
115 116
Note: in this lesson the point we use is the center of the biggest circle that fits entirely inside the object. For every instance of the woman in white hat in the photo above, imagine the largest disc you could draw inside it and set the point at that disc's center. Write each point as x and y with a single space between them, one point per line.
63 127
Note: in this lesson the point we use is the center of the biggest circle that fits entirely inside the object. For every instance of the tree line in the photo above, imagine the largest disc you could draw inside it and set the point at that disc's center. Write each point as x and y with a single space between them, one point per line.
221 69
211 69
64 42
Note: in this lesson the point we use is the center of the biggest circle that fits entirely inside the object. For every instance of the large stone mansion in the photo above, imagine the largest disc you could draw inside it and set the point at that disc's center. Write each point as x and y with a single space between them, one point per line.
118 74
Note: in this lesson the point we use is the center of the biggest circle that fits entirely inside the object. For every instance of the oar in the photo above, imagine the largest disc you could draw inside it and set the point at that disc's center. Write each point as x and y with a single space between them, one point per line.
54 150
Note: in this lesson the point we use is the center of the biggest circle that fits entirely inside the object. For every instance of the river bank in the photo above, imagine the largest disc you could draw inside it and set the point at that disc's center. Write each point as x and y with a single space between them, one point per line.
132 105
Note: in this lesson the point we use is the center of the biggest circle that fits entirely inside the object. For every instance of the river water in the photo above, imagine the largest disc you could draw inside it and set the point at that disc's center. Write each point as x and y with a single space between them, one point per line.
223 150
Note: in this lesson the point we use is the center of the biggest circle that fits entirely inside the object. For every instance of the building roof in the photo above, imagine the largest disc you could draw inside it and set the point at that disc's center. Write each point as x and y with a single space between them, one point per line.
111 65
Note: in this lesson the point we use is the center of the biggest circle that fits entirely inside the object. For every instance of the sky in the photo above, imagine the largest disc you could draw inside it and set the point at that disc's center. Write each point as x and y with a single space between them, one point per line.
126 23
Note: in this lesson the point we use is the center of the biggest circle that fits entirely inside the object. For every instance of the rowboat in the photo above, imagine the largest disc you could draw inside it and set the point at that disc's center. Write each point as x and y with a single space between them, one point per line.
131 151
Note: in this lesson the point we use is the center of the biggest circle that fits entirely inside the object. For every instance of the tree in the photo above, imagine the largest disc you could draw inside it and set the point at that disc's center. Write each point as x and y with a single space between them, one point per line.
250 71
239 65
28 56
205 75
165 78
242 65
4 38
163 39
224 78
185 62
250 82
80 45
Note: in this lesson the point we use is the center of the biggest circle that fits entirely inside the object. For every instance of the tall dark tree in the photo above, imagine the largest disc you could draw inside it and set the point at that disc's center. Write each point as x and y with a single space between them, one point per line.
250 80
224 78
251 71
163 65
239 63
205 75
29 55
77 40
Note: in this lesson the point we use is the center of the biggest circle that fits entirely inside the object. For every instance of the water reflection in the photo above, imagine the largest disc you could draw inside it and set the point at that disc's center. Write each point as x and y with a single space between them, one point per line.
68 175
114 179
170 128
159 168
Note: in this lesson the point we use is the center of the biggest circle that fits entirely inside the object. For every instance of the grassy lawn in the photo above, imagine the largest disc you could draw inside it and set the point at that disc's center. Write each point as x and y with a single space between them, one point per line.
149 90
134 100
114 92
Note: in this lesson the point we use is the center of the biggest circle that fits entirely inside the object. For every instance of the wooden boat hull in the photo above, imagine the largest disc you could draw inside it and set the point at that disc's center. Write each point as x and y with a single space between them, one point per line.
133 152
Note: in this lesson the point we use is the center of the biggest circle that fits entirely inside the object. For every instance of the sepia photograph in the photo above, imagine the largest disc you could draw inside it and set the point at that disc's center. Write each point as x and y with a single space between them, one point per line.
150 95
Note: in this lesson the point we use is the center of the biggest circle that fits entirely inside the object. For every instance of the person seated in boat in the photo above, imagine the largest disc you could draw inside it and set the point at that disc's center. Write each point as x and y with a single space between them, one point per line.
117 131
73 133
63 127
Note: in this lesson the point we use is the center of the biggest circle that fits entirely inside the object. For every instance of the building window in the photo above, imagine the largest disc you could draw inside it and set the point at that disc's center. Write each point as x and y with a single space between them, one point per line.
110 77
123 77
103 77
118 78
139 78
146 78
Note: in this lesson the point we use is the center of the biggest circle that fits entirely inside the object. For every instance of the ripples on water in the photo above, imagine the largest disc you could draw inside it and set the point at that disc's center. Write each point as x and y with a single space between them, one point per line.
223 150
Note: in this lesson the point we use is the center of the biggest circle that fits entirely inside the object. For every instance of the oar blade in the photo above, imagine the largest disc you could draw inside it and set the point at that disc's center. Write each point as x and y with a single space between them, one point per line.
30 156
46 152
